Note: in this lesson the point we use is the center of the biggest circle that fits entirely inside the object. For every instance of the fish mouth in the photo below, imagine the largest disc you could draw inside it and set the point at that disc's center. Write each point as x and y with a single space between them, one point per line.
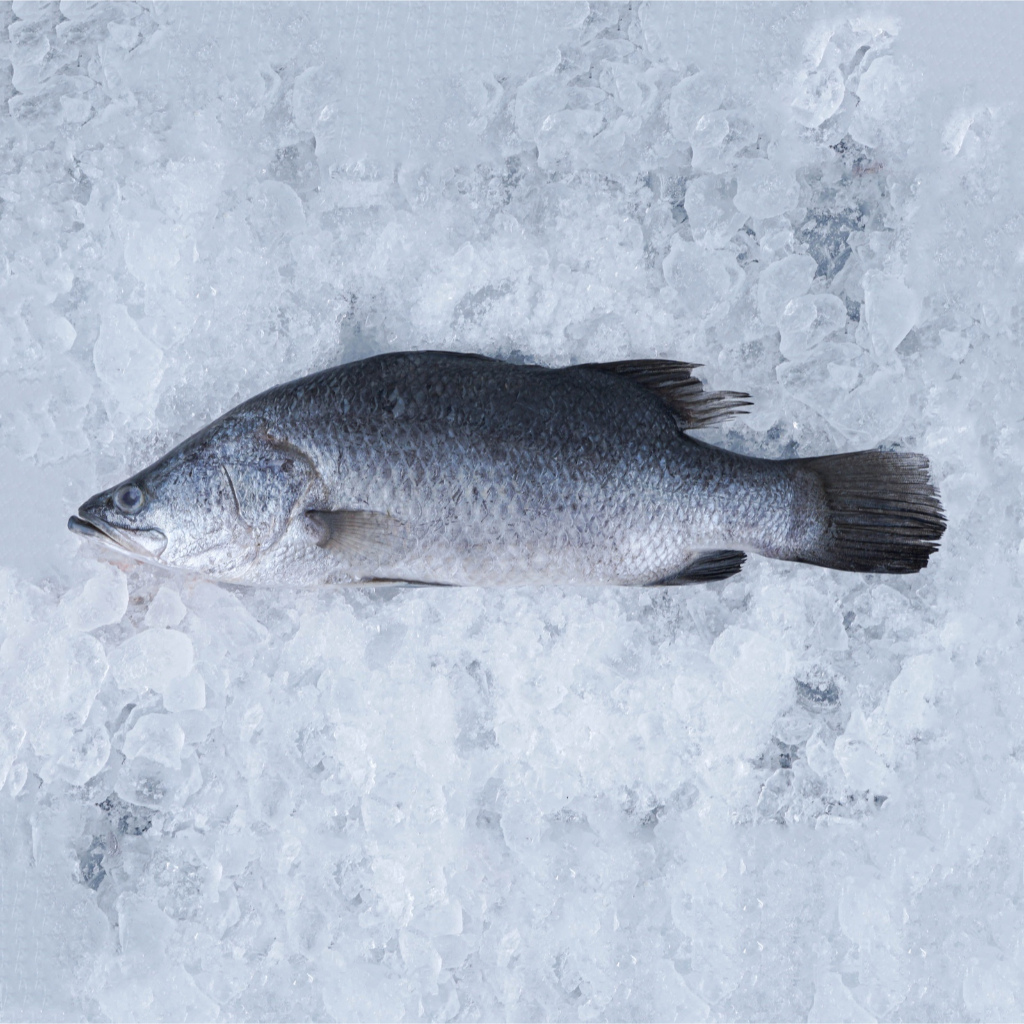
146 544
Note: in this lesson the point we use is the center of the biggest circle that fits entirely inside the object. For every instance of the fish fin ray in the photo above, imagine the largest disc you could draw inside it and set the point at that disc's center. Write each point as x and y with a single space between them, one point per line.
707 567
676 386
354 532
388 581
883 513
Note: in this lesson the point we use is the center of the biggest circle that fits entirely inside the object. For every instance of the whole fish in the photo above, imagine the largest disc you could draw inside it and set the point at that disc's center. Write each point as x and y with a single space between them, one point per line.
454 469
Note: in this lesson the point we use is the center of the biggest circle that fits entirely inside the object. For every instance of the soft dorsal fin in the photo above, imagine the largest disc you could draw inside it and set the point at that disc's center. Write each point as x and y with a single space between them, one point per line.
706 567
676 386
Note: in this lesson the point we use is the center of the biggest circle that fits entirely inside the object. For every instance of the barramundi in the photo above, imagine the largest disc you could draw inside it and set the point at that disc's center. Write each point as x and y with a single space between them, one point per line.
455 469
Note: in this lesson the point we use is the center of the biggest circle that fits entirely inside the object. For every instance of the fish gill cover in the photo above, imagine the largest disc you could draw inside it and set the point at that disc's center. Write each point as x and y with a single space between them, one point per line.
790 795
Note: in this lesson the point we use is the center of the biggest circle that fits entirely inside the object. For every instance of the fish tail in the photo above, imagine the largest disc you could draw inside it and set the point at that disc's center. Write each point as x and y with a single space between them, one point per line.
881 512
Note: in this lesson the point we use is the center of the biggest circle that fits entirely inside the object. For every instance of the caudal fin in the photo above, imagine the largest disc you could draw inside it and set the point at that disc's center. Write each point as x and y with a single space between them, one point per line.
883 513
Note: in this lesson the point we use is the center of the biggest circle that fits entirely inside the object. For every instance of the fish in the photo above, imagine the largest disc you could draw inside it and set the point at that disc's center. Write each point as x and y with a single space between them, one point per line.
457 469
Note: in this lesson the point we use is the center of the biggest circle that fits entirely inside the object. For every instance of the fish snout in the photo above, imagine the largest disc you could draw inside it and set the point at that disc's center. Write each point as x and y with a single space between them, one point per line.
98 518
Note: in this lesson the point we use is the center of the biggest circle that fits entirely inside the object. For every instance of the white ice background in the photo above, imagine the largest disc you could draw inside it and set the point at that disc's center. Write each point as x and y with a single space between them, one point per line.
794 795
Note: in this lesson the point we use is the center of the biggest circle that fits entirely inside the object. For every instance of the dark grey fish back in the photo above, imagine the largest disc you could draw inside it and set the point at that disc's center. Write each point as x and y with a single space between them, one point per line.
437 391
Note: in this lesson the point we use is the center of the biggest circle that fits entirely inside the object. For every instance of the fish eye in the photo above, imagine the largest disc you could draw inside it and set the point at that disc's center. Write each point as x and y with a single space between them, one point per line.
128 498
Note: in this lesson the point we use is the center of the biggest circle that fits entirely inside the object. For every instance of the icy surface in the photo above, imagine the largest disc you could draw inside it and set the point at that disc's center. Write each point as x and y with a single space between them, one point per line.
794 795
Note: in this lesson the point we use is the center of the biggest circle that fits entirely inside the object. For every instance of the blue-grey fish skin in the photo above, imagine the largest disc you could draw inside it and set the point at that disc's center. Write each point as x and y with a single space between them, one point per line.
454 469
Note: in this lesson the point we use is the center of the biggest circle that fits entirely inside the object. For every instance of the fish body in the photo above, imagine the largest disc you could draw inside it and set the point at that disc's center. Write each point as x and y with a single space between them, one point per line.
456 469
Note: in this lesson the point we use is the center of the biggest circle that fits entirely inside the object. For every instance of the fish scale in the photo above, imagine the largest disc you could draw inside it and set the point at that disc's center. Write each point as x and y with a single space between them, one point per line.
457 469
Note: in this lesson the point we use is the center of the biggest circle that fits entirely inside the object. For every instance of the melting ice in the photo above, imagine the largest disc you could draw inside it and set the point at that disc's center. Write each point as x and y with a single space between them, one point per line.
795 795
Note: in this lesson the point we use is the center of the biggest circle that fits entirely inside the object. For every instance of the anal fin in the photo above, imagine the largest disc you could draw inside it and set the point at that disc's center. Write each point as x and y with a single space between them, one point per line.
379 581
707 567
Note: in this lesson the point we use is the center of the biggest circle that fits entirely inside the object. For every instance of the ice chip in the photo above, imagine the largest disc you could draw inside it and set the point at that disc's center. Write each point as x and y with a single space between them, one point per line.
833 1002
124 36
537 99
166 608
101 601
820 90
158 738
708 140
128 363
891 310
717 140
276 212
712 214
86 755
184 693
781 281
992 987
693 97
419 954
75 109
564 134
874 410
819 756
17 777
880 92
12 736
702 281
357 990
153 658
806 321
151 249
909 708
855 751
765 189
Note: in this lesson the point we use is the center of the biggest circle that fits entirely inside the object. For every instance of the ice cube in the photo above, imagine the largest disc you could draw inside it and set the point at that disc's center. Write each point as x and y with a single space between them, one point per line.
712 214
881 96
717 139
765 188
821 89
153 658
701 281
86 754
156 737
183 693
101 601
891 310
856 753
806 322
692 98
781 281
566 134
166 608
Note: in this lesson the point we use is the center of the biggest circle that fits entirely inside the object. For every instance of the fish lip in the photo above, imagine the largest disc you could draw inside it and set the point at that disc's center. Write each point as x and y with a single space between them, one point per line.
146 544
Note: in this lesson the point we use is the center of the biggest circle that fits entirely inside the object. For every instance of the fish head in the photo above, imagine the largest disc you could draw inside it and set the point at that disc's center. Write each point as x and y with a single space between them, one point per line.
215 505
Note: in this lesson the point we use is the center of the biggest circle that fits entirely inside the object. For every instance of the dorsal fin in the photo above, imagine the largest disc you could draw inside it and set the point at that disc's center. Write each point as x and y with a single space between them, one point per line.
676 386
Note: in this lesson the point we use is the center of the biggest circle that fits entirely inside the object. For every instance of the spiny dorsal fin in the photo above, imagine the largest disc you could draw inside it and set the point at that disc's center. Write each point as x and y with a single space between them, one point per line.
706 567
683 393
355 532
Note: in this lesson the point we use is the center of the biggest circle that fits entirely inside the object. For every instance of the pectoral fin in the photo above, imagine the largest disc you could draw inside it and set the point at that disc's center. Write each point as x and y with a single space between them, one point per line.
356 533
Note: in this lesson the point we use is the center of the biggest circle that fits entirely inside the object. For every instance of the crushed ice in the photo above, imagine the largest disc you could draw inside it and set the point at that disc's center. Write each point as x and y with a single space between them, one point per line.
795 795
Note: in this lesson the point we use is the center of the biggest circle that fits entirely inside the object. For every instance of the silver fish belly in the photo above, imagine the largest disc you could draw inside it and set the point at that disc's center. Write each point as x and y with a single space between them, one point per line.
454 469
